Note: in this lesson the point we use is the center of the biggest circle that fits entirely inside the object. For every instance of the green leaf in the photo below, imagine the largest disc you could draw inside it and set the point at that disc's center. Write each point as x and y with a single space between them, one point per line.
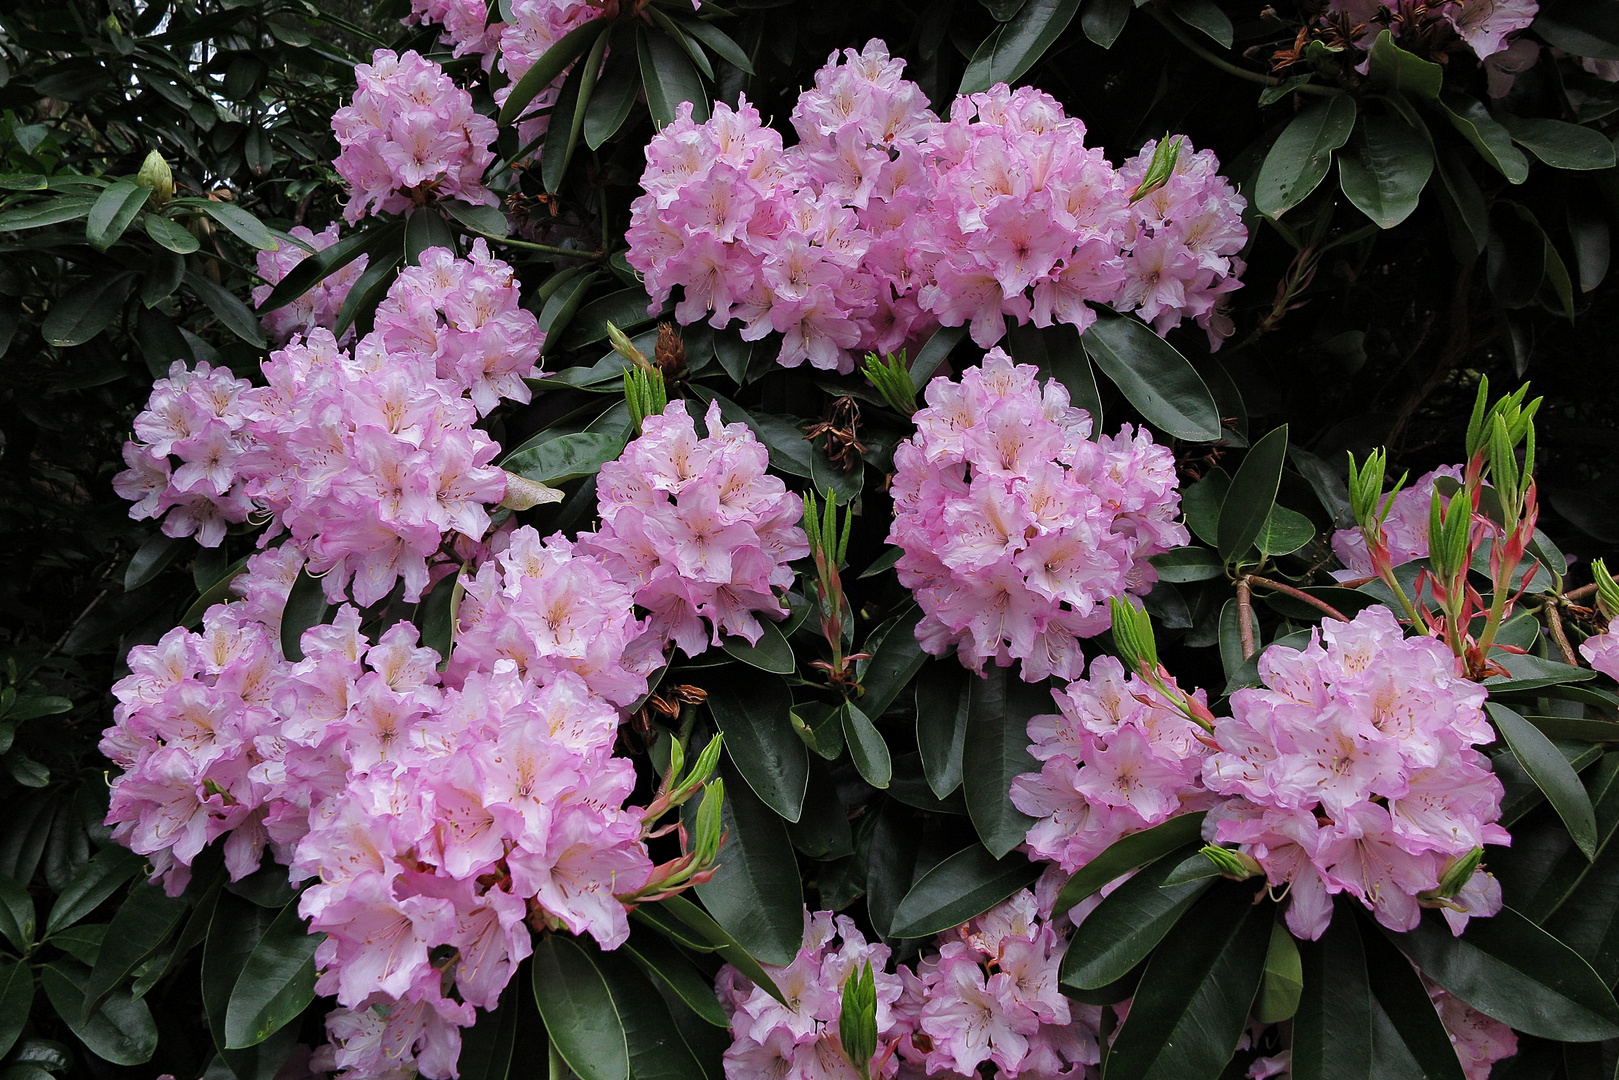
1393 68
679 909
151 559
943 702
1580 27
1509 968
716 39
487 1046
1551 773
1127 926
102 876
568 116
1530 672
1560 144
1332 1033
1253 491
770 653
566 457
1007 54
1129 853
656 1049
930 356
231 312
1192 1003
1298 160
1156 379
1404 1000
85 311
1386 168
121 1031
615 96
563 303
484 220
140 928
1284 975
568 48
247 228
426 229
306 607
625 309
580 1015
113 211
1467 216
896 658
866 746
1469 117
670 969
1184 565
372 285
959 888
277 982
436 615
755 893
16 914
1284 532
759 738
16 999
1071 367
1206 16
997 743
668 77
310 271
49 212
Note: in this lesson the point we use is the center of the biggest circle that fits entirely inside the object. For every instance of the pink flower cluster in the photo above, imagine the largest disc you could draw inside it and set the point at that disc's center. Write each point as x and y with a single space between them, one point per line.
197 418
1017 527
1480 1041
986 996
1405 529
883 221
410 135
370 459
438 814
698 529
1353 769
319 306
1117 759
802 1037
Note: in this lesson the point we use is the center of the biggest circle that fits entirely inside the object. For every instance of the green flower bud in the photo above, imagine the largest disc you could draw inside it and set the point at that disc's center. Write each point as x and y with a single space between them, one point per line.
155 174
857 1024
706 843
1458 872
1232 863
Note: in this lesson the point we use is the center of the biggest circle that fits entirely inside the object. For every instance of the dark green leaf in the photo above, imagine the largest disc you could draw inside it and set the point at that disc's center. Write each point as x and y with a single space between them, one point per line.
1284 532
114 209
1187 564
1283 985
374 281
656 1050
1332 1033
1469 117
1581 27
306 607
943 699
1530 672
1253 491
1385 169
426 229
1205 15
694 918
437 613
580 1015
1551 773
1192 1003
1467 216
1103 20
759 737
1559 144
866 746
770 653
566 457
718 40
87 310
1129 853
1155 378
121 1031
16 914
822 831
615 96
755 893
47 212
1401 995
1393 68
163 274
277 982
484 220
16 998
232 313
668 77
567 49
310 271
963 886
140 928
102 876
1127 926
1511 969
486 1047
568 116
563 303
1298 160
896 658
625 309
1008 53
151 559
997 743
930 356
670 968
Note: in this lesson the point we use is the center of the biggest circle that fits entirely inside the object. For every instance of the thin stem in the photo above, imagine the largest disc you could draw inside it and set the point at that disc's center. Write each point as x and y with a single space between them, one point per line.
1299 594
1245 617
1576 595
1554 624
592 256
1227 66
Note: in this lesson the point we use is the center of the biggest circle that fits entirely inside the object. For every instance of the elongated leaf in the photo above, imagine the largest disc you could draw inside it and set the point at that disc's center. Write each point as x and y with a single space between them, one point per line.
1128 925
121 1031
141 927
1103 20
1530 672
16 998
567 49
897 657
656 1049
1008 53
113 211
1581 27
960 887
942 706
1393 68
770 653
102 876
381 267
930 356
307 606
150 560
231 312
685 913
1332 1033
1559 144
87 310
48 212
1401 996
716 39
1385 169
1129 853
1551 773
668 77
248 229
625 309
1469 117
1298 160
1206 16
1192 1003
16 914
568 116
580 1014
1252 494
485 220
1279 993
668 967
426 229
759 738
1511 969
566 457
755 892
277 982
486 1047
1156 379
615 96
311 271
1187 564
867 748
997 743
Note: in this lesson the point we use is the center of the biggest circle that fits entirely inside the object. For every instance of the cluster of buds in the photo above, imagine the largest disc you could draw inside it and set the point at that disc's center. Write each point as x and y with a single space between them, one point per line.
695 864
892 378
645 391
1137 646
829 544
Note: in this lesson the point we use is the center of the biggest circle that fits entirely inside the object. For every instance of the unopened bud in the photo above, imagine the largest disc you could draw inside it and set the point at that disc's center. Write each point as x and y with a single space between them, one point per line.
625 347
1458 872
706 844
1232 863
155 174
670 352
523 493
1133 636
857 1024
1160 169
1607 589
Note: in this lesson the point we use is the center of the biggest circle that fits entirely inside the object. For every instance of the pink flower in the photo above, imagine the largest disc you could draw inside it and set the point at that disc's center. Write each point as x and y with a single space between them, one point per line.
321 304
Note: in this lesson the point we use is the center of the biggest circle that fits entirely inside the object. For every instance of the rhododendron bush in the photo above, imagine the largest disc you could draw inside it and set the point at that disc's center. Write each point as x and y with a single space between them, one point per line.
660 541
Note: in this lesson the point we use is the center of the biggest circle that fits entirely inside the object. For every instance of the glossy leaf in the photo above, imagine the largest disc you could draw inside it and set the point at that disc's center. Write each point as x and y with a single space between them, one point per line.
1298 160
670 968
656 1050
311 271
668 78
694 918
1014 48
1156 379
121 1031
1393 68
247 228
150 560
770 653
943 702
87 310
277 982
897 657
1283 985
1332 1033
1404 1000
867 747
997 743
1129 853
615 96
1530 672
959 888
233 315
16 914
580 1014
306 607
1469 117
16 998
568 48
1127 926
103 875
1385 169
486 1047
930 356
1252 494
625 309
716 39
564 458
1560 144
1206 16
113 211
568 115
140 928
754 714
755 893
1551 773
426 229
